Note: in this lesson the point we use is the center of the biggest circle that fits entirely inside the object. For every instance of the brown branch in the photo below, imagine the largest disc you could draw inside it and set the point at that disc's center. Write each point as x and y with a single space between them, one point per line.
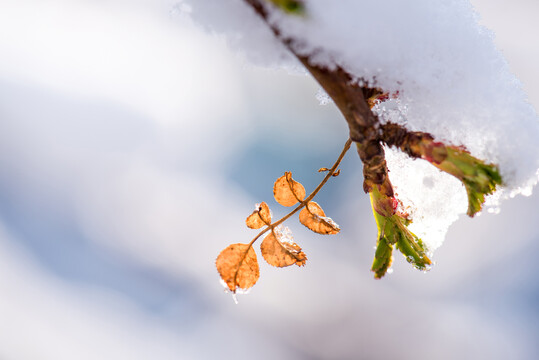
351 99
415 144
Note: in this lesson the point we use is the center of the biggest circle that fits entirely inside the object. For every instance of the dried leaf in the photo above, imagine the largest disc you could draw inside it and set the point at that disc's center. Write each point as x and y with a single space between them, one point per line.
313 217
287 191
238 266
260 217
281 253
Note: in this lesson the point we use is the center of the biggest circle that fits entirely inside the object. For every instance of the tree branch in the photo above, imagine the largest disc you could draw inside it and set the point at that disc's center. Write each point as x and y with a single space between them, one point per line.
350 98
354 102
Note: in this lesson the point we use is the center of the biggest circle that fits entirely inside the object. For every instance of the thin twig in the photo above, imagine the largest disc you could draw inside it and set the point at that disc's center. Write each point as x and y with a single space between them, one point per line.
308 198
298 208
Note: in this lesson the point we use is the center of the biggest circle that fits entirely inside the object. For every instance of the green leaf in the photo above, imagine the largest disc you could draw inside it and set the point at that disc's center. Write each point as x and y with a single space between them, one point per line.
295 7
393 231
479 179
383 258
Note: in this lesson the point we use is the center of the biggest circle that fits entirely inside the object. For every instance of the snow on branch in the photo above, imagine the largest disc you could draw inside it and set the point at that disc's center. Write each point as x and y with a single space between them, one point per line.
438 88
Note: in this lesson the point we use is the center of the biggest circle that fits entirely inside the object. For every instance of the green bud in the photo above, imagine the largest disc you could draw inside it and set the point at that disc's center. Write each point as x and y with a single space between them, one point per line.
393 231
295 7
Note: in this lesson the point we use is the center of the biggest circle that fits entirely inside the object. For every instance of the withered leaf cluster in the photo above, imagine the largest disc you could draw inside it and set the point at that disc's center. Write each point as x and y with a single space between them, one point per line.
238 265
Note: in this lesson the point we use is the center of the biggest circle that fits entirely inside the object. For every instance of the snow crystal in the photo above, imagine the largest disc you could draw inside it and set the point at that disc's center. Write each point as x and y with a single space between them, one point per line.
239 291
328 220
433 199
331 222
284 234
225 285
323 97
391 110
451 80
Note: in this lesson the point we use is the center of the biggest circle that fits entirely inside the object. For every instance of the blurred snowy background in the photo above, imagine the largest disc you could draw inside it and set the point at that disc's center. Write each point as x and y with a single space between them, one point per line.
133 146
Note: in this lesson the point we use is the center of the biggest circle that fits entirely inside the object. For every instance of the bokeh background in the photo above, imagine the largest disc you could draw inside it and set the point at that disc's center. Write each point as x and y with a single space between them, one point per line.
132 147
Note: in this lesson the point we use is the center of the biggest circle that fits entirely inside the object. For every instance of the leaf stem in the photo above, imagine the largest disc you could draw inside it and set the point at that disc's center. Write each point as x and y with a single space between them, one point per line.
303 203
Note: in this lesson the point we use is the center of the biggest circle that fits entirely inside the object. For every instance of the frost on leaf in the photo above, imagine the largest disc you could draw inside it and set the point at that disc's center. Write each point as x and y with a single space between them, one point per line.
313 217
238 266
281 252
260 217
287 191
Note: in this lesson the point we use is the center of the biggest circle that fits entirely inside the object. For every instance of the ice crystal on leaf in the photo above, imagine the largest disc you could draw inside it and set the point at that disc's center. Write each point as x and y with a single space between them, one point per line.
314 218
281 251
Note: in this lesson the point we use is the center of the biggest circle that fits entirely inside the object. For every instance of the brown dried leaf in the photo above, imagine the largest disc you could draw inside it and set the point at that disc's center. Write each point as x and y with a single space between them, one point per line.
281 253
287 191
313 217
238 266
260 217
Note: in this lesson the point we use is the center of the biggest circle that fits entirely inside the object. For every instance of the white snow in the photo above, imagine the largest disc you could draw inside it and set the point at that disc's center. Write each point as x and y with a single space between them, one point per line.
323 97
284 234
452 83
433 199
